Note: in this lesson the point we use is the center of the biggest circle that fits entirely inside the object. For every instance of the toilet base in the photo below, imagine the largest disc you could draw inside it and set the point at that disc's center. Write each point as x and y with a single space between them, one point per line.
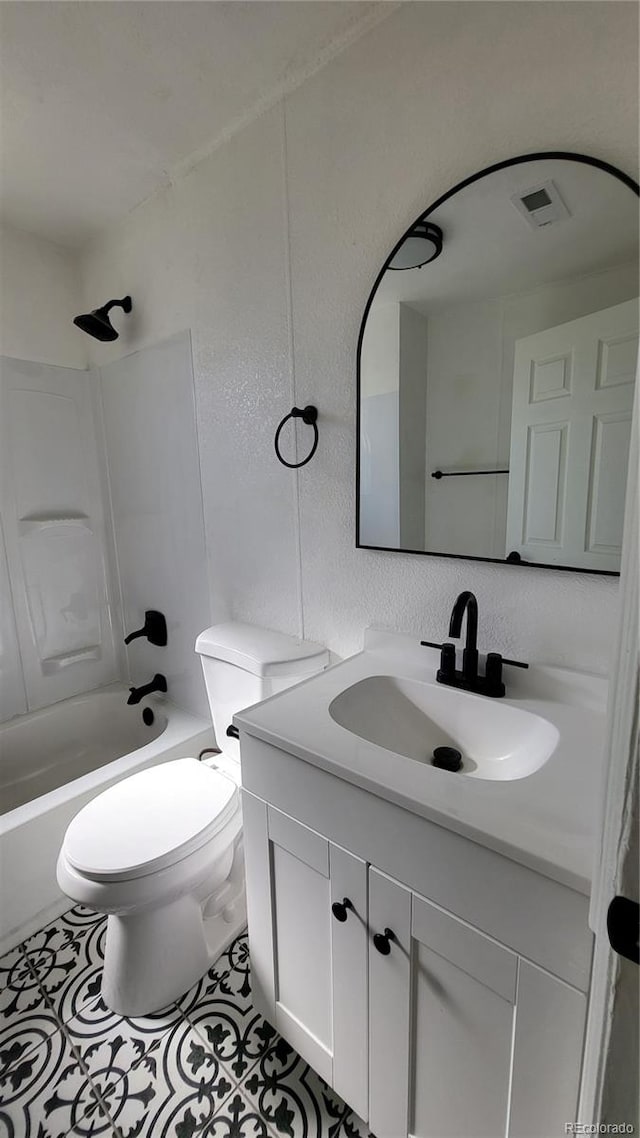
152 958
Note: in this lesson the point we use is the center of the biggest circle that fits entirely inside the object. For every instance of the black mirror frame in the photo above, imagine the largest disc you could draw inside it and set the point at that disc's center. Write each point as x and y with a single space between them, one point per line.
564 155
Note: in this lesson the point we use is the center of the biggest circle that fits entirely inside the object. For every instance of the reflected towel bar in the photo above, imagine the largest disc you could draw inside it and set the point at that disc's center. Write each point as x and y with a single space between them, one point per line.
463 473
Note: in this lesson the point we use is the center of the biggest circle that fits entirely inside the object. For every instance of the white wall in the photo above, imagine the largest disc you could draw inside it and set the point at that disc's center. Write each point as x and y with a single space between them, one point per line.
39 297
268 250
413 396
209 255
379 428
464 372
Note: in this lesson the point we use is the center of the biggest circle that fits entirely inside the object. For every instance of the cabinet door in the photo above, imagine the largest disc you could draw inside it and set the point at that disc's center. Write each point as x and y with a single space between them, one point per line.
441 1021
308 966
547 1054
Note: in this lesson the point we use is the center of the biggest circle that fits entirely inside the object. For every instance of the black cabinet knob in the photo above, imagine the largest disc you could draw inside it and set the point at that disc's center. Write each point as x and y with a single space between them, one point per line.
340 909
382 941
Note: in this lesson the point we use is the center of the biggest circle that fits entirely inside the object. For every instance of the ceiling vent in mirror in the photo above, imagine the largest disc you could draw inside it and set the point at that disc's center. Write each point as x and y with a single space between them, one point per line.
541 205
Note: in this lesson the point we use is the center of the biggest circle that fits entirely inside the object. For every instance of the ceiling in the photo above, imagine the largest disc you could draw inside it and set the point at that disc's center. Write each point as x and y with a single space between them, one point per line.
103 102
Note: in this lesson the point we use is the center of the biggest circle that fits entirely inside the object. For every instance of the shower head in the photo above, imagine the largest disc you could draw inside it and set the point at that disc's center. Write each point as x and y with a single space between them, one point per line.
98 324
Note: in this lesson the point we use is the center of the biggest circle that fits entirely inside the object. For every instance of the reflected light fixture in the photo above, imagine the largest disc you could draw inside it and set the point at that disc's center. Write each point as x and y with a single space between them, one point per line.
422 245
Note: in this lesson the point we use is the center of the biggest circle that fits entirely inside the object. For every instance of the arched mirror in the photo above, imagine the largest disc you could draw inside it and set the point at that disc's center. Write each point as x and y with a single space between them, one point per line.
496 370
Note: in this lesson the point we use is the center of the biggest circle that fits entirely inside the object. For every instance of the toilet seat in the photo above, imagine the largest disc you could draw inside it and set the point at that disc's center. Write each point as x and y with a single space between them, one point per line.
150 821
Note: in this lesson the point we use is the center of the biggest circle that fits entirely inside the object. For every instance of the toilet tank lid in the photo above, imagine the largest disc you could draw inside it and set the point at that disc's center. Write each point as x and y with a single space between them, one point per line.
261 651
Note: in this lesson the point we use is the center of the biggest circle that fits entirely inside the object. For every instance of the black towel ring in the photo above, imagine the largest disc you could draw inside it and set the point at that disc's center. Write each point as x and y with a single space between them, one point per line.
309 415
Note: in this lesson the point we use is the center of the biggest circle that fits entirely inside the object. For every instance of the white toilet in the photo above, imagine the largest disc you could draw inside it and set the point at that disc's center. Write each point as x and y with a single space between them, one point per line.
161 851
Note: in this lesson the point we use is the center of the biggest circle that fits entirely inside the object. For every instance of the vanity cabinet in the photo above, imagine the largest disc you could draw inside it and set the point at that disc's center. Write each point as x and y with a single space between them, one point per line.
435 1001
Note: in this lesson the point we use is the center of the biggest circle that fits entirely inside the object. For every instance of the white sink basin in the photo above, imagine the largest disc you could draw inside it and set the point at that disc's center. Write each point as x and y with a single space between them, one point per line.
410 718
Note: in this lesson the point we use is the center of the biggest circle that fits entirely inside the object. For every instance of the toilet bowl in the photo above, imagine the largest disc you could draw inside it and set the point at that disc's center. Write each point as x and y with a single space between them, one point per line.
161 851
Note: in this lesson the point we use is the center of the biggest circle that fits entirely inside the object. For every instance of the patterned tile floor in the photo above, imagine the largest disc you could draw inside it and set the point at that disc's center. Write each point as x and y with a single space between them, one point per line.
206 1067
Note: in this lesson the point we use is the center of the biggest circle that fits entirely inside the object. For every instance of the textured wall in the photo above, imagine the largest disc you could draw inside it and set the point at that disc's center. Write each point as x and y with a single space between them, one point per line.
39 296
209 255
267 251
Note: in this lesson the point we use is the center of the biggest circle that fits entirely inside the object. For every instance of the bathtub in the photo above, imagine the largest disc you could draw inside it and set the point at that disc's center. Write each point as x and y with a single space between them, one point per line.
52 762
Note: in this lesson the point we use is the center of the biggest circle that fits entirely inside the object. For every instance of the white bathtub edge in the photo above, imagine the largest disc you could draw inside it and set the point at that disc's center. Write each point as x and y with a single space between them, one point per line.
181 726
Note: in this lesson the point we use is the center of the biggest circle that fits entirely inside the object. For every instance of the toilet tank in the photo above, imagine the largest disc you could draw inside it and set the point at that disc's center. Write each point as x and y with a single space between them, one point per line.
244 664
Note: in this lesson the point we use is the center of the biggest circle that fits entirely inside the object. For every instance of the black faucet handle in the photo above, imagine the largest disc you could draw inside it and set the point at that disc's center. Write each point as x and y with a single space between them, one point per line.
447 663
493 674
448 659
154 628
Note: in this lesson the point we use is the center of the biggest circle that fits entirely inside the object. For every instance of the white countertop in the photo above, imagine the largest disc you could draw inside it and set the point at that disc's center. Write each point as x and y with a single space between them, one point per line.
547 820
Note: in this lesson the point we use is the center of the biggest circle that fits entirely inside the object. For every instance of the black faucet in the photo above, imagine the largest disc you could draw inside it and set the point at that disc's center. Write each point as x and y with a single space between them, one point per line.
468 678
466 602
158 683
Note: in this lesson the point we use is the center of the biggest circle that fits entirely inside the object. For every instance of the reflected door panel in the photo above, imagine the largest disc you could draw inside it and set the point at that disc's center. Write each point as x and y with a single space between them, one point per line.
573 392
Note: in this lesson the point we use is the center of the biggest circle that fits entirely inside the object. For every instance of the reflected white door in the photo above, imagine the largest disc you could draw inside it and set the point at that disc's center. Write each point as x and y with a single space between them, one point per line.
571 420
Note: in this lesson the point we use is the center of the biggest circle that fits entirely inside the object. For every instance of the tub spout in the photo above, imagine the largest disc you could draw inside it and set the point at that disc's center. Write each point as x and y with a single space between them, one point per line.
158 683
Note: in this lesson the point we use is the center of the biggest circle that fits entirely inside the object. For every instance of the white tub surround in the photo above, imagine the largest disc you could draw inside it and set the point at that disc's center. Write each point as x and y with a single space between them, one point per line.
55 537
442 916
151 444
54 761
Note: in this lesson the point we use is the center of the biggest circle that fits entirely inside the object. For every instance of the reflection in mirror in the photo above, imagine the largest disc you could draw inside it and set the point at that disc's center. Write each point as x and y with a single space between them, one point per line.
496 380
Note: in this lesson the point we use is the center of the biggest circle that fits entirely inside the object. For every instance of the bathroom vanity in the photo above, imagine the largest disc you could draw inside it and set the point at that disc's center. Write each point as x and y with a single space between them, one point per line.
420 936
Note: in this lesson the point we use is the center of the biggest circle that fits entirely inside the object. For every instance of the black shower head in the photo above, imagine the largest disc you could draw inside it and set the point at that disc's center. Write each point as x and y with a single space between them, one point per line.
98 324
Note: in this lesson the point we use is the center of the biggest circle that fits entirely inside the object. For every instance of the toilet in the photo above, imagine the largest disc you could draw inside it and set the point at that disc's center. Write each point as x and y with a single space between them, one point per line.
161 851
